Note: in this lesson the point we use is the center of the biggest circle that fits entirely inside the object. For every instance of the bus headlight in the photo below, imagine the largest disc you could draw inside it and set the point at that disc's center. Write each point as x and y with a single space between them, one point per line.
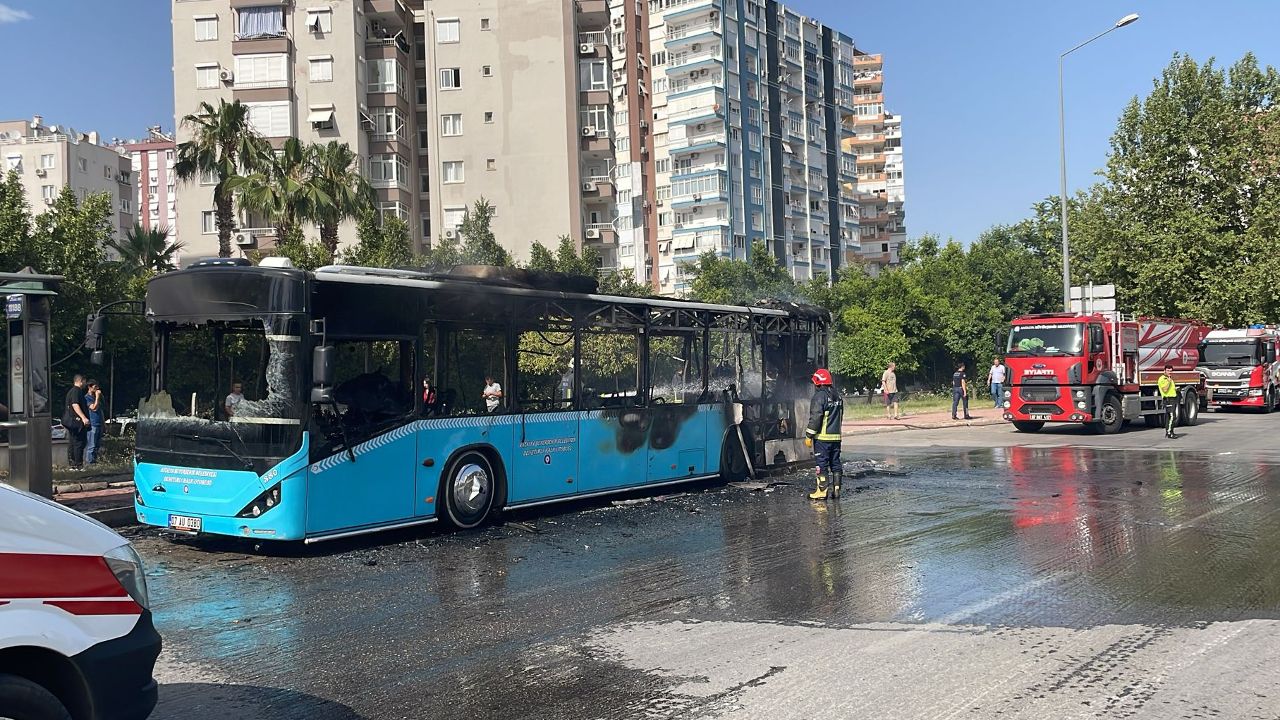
1007 404
1080 404
1079 394
261 504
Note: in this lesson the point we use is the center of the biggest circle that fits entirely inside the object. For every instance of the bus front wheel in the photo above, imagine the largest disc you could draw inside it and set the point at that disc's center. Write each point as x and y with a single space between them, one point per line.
469 488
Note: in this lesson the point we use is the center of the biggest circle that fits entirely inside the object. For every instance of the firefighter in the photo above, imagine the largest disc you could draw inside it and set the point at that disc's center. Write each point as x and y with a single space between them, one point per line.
826 413
1169 394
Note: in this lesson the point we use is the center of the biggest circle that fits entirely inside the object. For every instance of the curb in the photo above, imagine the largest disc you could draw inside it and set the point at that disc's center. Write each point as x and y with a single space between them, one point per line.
878 429
116 517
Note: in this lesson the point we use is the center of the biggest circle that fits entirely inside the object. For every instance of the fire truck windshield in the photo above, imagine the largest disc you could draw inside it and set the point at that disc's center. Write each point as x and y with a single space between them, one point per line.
1046 339
1244 353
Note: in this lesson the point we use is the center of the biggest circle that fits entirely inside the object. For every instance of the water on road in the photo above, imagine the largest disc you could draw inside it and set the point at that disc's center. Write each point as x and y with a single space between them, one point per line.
1006 582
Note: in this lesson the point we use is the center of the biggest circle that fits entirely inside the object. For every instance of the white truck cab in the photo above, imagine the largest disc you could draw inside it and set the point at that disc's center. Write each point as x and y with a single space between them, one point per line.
76 637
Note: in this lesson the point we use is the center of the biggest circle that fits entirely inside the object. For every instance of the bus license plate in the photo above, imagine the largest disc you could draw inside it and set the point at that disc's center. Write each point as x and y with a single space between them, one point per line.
1041 416
185 523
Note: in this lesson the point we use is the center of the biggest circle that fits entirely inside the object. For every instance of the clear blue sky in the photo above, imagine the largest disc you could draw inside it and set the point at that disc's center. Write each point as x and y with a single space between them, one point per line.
975 81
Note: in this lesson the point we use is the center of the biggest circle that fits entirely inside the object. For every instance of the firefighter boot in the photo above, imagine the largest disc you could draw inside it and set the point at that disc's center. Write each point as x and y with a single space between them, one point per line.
836 476
820 493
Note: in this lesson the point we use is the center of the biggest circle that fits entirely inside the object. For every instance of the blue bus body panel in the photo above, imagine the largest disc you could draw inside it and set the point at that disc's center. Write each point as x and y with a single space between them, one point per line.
677 442
216 496
545 460
378 487
613 451
439 439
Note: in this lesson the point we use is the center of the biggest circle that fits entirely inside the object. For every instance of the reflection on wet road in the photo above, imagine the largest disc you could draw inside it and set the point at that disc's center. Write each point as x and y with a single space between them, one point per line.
1007 582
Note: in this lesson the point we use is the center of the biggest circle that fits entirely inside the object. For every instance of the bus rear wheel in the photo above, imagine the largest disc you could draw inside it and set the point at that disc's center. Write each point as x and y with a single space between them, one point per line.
468 489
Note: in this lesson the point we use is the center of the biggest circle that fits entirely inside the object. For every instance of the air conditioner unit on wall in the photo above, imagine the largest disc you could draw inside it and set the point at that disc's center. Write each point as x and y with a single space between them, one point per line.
588 131
41 172
450 234
586 48
226 76
592 234
589 186
245 239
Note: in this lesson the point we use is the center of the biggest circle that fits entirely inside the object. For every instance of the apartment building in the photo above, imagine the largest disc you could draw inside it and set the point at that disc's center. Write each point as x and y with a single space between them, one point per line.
322 70
875 142
155 199
50 157
516 110
732 125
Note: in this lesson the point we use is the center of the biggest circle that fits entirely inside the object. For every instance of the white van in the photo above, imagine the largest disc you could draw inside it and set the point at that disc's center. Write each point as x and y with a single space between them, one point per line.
76 638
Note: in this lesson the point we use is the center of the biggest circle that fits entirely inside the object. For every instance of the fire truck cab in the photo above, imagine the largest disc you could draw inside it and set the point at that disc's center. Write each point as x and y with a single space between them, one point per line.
1241 369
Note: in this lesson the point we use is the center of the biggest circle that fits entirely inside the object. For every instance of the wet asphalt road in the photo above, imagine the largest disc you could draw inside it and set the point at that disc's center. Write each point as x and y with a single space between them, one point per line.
1048 582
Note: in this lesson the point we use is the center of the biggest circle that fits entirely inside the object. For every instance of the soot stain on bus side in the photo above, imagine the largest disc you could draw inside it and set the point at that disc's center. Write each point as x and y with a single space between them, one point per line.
656 428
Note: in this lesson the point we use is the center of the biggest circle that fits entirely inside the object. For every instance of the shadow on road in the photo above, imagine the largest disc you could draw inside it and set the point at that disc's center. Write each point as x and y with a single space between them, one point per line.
198 701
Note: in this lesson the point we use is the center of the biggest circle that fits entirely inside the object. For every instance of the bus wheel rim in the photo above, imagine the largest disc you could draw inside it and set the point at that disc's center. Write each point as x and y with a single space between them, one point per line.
471 488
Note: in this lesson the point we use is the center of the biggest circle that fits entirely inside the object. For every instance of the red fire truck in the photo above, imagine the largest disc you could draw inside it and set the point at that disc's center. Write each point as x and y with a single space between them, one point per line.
1241 369
1099 369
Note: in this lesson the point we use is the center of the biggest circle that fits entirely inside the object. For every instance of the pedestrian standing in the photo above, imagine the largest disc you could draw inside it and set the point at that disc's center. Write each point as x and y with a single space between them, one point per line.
995 380
1169 394
826 415
492 393
93 404
889 385
234 398
76 420
960 392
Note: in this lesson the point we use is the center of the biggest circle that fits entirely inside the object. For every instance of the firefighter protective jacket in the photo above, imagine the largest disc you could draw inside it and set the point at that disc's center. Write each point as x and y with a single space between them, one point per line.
826 413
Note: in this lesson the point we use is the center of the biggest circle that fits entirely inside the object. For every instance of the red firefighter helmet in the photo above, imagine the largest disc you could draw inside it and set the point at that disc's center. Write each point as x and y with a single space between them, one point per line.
821 377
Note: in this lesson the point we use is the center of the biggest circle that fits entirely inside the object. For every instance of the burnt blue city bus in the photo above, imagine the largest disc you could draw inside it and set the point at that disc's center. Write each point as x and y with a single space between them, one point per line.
334 433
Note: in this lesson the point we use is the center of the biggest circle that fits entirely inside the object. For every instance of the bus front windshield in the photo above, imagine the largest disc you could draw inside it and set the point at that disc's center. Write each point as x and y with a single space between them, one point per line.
1239 354
226 395
1046 339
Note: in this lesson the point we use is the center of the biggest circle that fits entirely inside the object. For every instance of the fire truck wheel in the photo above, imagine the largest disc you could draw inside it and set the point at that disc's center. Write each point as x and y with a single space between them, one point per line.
1190 414
1111 418
1268 401
24 700
1027 426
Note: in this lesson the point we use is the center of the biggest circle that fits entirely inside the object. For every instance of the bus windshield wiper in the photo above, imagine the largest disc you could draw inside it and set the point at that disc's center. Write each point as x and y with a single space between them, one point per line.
226 445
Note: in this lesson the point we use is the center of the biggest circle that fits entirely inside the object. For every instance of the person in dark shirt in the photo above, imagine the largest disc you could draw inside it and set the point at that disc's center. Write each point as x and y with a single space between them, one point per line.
93 404
960 392
75 419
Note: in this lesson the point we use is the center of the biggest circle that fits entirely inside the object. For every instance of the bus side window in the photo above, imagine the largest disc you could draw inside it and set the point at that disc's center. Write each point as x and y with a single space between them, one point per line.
610 369
470 355
544 362
675 368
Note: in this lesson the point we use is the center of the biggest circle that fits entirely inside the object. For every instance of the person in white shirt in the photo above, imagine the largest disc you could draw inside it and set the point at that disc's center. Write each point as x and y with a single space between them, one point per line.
492 394
234 399
995 380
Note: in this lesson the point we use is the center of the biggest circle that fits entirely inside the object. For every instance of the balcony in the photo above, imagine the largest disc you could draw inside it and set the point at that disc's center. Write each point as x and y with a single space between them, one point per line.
592 13
596 140
694 60
262 44
868 61
685 35
689 9
599 232
387 47
871 159
868 98
868 79
696 109
699 187
593 44
868 119
597 188
709 142
390 13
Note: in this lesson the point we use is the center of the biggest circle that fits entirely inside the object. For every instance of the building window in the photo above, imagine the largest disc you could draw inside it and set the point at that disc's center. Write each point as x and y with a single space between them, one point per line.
125 205
660 84
320 20
424 182
596 116
453 172
262 71
386 76
321 68
757 195
49 192
388 170
451 124
387 123
209 177
491 164
662 166
208 222
484 24
488 116
206 28
453 217
260 22
207 76
450 78
447 31
46 161
593 75
82 163
659 58
486 70
271 119
757 221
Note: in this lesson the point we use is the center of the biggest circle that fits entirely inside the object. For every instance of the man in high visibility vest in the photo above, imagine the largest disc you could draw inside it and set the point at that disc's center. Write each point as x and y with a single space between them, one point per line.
826 414
1169 394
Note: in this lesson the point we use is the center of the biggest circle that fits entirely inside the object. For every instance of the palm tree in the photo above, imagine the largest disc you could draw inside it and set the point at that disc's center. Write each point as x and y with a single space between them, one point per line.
146 250
222 143
346 192
282 188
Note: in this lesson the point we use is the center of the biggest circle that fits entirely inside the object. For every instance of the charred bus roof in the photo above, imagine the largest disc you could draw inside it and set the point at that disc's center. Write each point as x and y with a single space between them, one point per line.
225 290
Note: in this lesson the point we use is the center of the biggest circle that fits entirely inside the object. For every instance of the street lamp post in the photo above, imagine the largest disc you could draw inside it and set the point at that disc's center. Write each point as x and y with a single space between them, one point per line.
1062 158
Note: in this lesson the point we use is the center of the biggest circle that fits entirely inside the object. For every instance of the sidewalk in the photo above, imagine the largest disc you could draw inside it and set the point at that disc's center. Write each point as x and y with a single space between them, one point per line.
923 421
108 500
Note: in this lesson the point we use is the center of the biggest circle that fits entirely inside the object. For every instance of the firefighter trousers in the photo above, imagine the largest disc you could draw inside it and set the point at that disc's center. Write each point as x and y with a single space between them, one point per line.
827 454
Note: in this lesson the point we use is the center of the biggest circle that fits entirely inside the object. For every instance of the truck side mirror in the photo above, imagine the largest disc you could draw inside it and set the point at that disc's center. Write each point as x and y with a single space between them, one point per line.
1271 354
95 331
322 359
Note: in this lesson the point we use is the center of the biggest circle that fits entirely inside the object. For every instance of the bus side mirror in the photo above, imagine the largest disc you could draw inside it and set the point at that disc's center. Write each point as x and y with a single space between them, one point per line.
322 365
95 331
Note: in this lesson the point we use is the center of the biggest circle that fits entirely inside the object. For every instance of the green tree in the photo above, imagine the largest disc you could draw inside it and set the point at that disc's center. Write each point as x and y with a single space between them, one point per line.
304 254
383 242
146 250
344 193
222 144
445 253
281 188
1182 222
479 246
740 282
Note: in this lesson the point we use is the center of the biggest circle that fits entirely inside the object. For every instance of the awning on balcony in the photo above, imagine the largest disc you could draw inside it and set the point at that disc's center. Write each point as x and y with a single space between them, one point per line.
320 115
